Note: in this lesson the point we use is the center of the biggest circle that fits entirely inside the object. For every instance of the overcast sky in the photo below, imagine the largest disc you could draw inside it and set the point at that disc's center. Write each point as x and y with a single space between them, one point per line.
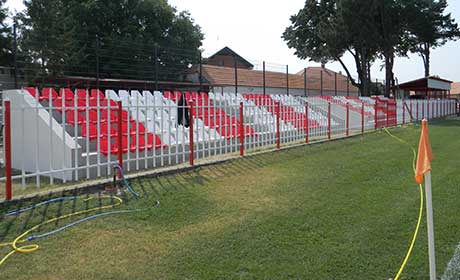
253 29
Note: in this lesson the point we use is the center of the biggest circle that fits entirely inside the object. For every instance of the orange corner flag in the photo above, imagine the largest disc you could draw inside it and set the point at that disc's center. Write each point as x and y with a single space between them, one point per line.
425 155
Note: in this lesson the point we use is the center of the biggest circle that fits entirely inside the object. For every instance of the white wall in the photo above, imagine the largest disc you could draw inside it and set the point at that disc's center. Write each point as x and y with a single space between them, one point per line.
32 136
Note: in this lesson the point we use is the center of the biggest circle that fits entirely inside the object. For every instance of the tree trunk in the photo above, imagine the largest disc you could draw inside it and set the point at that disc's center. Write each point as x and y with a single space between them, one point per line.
427 59
389 75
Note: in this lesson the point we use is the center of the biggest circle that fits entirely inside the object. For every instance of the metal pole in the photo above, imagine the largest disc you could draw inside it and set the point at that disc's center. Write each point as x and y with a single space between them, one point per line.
321 75
305 82
97 61
236 75
201 72
335 83
156 67
120 136
15 49
348 86
430 226
7 149
241 130
362 118
191 148
287 79
278 136
329 121
263 73
307 129
348 120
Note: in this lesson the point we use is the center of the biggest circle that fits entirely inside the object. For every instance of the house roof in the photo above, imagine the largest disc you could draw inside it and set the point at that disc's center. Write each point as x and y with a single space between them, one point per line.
225 76
455 88
431 83
230 52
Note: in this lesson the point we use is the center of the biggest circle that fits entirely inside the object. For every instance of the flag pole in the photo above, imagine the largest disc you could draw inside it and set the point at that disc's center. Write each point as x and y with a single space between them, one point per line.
430 226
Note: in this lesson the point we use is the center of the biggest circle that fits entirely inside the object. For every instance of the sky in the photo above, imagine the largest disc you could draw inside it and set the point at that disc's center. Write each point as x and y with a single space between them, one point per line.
253 29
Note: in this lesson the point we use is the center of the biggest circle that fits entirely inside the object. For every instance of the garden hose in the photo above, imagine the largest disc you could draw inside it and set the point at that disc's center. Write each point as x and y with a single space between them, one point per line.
25 237
420 213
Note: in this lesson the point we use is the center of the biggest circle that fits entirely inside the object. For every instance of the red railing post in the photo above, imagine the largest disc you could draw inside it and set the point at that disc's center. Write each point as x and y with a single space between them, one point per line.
404 112
120 136
191 148
329 120
278 136
362 118
307 123
241 130
348 120
7 149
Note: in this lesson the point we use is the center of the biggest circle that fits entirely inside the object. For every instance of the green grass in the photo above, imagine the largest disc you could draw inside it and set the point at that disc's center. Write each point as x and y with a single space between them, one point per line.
339 210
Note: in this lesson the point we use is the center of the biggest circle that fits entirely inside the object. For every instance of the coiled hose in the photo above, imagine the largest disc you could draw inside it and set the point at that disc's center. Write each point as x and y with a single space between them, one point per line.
25 237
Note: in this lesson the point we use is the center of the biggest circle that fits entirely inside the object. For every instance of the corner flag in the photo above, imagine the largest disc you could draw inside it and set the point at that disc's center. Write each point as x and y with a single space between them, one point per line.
425 155
423 170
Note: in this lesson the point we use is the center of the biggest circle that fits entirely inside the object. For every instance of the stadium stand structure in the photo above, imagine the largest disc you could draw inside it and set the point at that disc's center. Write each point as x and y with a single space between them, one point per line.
73 134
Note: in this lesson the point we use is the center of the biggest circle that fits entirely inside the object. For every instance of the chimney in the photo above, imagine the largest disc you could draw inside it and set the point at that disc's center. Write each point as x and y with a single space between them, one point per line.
323 65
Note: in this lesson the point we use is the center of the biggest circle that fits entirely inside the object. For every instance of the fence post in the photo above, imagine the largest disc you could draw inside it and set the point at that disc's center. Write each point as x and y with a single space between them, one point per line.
321 81
416 117
362 118
329 120
7 150
263 73
120 136
241 130
404 112
15 56
307 123
236 75
305 82
375 115
97 61
287 79
278 136
335 83
156 66
191 148
201 72
386 109
348 120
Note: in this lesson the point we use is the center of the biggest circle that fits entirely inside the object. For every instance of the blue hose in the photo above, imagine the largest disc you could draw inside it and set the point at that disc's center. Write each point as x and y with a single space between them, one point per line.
128 186
33 237
22 210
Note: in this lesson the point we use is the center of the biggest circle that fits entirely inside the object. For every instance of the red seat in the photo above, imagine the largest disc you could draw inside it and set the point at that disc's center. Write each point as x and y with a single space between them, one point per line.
95 93
70 118
49 93
92 132
66 93
82 94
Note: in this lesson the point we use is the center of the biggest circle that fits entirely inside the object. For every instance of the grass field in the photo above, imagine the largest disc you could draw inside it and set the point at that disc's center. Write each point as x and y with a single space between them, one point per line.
339 210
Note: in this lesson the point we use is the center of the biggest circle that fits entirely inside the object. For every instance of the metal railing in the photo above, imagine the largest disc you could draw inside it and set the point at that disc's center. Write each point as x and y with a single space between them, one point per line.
67 136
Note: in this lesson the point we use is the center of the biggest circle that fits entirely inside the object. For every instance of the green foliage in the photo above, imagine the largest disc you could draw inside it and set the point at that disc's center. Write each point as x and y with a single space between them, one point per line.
367 29
6 52
428 27
64 37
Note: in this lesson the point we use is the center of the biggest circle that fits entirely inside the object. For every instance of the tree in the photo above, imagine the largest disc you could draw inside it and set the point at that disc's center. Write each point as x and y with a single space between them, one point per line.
390 25
6 38
64 37
428 27
325 30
